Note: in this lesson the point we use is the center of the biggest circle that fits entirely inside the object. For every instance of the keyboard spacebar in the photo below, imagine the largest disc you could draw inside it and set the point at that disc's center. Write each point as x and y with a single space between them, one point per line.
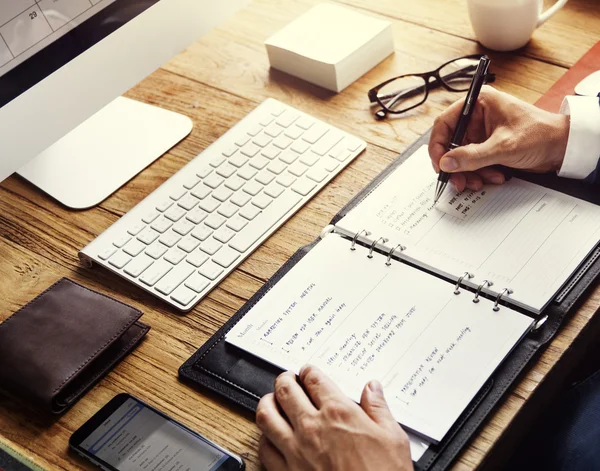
264 221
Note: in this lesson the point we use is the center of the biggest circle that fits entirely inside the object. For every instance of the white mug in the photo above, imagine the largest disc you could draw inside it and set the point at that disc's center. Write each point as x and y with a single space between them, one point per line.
505 25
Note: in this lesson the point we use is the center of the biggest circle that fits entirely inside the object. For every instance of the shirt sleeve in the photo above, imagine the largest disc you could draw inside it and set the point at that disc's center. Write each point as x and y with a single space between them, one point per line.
583 146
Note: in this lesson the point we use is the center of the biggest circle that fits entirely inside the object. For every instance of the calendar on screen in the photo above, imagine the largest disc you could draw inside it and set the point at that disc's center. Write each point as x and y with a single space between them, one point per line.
28 26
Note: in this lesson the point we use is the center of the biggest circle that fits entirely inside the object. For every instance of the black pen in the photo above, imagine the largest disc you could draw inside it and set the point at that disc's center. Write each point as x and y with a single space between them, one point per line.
463 121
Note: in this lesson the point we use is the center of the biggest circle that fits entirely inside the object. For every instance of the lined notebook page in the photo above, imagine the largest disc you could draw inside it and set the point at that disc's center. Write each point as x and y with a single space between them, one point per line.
358 319
519 235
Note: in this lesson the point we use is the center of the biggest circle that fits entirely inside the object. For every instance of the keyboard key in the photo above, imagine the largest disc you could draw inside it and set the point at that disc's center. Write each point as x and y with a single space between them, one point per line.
315 133
138 266
264 221
236 223
247 172
249 212
210 246
136 228
294 132
309 159
274 190
201 191
148 235
188 244
276 109
273 130
150 217
121 241
343 156
224 234
254 130
259 162
330 164
282 142
197 258
262 141
352 144
317 174
227 210
250 150
188 202
222 194
175 256
300 146
226 170
265 177
204 171
202 232
276 167
286 179
304 122
209 204
134 248
197 282
156 250
304 186
175 213
119 260
213 181
162 224
196 215
158 269
210 270
288 157
217 161
230 151
287 118
241 141
238 160
266 120
183 227
240 198
191 182
174 278
235 183
170 238
297 169
326 143
253 188
107 253
166 204
226 257
271 152
177 194
183 295
214 221
262 201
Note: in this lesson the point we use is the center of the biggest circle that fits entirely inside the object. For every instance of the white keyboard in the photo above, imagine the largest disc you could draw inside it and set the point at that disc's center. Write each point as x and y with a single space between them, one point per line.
192 231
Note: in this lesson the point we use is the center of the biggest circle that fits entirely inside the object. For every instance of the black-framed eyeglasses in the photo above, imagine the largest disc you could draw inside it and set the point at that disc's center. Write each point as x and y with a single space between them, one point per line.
403 93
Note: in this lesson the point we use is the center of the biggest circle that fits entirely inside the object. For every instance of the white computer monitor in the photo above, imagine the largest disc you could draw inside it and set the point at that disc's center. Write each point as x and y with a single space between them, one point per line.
61 61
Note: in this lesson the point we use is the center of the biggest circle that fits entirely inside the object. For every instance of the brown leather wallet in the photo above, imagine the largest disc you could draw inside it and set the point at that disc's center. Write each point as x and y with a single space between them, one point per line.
60 344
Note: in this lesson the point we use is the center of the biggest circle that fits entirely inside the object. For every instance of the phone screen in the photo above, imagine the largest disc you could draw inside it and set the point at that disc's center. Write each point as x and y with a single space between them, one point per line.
135 437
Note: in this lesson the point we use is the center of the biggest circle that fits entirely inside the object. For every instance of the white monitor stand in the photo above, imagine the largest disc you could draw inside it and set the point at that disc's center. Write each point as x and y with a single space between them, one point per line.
106 151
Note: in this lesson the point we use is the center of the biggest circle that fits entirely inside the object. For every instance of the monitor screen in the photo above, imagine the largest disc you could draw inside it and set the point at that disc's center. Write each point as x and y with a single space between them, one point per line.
37 37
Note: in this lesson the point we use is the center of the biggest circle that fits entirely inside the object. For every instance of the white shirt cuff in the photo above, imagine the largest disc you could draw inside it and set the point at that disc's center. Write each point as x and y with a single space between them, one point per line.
583 146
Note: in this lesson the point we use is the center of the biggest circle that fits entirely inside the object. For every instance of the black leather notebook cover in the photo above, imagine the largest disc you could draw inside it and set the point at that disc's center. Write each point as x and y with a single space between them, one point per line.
244 379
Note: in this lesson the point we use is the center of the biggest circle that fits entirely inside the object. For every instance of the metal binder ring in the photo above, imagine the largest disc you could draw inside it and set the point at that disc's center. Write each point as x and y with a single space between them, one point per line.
391 252
383 239
367 234
460 280
485 283
506 291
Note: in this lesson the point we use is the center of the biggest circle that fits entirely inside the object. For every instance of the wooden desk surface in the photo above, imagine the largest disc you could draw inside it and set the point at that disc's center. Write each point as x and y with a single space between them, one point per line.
216 82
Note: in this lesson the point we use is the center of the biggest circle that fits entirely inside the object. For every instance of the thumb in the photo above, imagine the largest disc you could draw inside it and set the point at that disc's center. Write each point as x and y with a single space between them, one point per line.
472 157
375 405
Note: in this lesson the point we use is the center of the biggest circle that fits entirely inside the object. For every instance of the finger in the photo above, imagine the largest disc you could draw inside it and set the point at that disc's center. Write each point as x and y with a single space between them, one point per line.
492 175
474 181
319 387
374 404
292 398
473 156
273 425
442 131
270 456
459 180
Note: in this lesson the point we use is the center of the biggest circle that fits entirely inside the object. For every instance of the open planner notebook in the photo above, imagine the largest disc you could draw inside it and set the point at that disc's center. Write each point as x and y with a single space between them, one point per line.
480 268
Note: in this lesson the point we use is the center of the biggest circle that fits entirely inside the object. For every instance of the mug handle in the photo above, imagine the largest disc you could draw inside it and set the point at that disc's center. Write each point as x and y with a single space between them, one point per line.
550 11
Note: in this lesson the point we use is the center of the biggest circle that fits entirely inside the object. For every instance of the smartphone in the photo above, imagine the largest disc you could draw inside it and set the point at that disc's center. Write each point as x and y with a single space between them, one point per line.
129 435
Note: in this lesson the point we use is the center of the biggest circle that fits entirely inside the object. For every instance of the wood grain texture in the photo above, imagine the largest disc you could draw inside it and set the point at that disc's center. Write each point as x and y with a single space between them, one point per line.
216 82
